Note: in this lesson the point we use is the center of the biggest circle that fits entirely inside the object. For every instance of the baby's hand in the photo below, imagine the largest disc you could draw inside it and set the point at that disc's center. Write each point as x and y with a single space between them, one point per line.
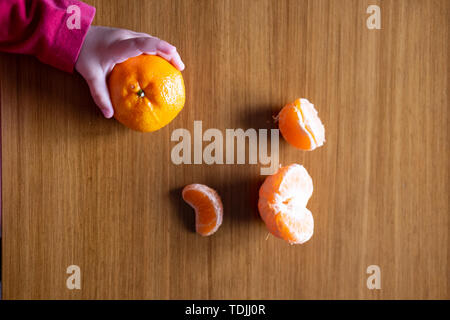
104 47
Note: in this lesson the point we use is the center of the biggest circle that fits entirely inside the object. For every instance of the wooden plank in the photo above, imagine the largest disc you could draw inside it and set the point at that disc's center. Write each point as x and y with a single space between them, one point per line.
80 189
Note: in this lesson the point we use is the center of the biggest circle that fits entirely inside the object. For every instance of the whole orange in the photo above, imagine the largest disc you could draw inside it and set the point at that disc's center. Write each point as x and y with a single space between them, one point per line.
147 92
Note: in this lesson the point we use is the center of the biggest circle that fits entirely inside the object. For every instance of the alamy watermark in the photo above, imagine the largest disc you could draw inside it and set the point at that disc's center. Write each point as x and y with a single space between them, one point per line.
374 280
74 280
374 20
214 152
74 20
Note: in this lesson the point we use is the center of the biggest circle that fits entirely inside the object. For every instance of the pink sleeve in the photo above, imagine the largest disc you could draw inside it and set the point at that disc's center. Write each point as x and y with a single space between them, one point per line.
41 28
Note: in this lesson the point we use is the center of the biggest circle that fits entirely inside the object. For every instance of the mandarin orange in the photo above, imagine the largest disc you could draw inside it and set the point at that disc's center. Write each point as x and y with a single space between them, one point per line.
208 207
147 92
300 125
282 204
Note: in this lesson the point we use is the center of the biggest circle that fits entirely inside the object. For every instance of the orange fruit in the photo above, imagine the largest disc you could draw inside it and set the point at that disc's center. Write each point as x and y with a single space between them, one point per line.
208 207
282 204
300 125
147 92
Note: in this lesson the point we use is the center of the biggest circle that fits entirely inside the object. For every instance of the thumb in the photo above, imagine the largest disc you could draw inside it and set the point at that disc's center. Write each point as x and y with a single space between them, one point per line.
100 94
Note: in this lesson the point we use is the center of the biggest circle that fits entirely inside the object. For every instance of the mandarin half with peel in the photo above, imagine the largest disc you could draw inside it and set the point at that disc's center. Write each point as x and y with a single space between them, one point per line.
282 204
207 205
300 125
147 92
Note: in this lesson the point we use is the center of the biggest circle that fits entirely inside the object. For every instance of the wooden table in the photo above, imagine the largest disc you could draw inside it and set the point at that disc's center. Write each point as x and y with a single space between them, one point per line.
82 190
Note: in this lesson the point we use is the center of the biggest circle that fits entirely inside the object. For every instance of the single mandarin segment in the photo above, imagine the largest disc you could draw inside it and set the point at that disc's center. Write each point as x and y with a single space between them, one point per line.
282 204
207 205
300 125
147 92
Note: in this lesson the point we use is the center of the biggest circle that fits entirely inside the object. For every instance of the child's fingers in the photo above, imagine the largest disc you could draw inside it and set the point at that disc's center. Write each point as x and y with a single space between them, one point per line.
169 52
162 45
166 47
141 35
133 47
177 62
100 94
174 58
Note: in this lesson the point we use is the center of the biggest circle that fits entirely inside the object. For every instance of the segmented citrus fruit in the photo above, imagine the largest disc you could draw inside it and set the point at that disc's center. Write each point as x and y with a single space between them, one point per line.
300 125
282 204
208 207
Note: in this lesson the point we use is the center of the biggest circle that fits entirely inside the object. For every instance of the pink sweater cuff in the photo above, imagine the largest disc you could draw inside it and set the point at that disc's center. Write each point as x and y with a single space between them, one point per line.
64 50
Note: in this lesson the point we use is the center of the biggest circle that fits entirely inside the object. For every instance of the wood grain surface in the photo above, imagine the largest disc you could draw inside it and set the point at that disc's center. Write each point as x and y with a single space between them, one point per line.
80 189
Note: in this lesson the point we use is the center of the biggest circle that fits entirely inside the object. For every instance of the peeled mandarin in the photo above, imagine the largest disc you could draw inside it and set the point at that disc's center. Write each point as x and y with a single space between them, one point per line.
300 125
282 204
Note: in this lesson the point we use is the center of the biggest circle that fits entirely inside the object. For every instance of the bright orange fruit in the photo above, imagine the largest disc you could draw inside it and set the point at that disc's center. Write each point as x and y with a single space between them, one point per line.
208 207
300 125
282 204
147 92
